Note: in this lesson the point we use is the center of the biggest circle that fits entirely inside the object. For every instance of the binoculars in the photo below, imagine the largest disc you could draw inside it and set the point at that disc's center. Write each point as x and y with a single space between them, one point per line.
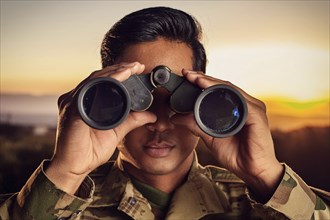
104 103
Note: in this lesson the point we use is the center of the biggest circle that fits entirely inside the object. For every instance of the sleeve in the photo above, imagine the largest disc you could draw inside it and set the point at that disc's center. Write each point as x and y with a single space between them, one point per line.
41 199
294 199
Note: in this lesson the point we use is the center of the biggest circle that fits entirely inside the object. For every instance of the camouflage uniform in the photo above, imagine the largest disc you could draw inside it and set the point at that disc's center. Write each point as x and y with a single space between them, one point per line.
208 193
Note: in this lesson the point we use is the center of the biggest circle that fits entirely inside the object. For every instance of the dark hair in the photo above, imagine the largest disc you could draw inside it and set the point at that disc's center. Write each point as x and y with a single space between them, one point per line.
150 24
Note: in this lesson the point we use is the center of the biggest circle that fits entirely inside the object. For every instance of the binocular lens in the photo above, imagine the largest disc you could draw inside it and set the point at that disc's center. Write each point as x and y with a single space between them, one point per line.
103 103
220 111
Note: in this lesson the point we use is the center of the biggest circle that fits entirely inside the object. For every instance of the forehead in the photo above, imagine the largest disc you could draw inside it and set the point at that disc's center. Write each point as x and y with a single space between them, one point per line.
175 55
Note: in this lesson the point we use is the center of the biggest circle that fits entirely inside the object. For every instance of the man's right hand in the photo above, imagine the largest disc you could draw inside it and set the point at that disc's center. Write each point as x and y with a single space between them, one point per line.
80 148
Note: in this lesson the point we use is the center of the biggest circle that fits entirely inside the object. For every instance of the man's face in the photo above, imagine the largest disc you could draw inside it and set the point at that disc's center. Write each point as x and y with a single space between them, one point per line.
161 147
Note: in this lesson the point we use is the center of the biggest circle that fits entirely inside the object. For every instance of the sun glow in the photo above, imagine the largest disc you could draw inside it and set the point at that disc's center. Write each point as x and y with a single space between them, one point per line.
286 71
277 51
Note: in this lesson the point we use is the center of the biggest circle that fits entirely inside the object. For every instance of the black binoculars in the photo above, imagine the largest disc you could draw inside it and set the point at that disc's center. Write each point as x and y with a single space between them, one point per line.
104 103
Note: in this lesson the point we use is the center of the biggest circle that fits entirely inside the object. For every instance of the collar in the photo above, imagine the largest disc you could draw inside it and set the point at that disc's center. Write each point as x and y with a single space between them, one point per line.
200 194
113 187
157 198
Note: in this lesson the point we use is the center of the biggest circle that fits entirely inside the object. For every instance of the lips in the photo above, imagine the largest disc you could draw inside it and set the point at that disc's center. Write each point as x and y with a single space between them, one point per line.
158 150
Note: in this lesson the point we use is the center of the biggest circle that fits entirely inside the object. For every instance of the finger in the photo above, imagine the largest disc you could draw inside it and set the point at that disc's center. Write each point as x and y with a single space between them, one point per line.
204 81
200 79
188 121
63 100
134 120
120 71
113 67
256 115
125 72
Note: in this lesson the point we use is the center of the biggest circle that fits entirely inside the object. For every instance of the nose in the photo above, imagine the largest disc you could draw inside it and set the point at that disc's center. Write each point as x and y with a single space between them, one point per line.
160 107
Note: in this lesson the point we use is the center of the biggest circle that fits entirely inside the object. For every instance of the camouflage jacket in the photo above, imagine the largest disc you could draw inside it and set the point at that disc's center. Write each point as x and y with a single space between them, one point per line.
209 193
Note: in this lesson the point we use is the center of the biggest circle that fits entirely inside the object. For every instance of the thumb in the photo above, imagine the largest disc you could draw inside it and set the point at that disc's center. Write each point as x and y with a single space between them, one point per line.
188 120
134 120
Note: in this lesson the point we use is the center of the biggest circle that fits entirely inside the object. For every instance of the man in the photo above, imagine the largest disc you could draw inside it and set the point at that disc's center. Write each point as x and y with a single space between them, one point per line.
156 175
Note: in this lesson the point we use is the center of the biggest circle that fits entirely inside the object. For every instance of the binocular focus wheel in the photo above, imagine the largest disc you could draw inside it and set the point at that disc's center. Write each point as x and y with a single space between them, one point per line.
103 103
220 111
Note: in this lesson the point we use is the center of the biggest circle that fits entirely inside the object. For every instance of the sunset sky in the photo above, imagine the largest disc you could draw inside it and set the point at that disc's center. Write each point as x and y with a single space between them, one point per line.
274 50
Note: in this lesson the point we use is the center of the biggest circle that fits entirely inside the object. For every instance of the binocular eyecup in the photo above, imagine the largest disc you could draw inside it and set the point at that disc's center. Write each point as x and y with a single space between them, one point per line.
104 103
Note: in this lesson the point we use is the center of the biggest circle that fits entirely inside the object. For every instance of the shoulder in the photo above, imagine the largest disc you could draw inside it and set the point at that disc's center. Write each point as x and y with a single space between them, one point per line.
4 197
219 174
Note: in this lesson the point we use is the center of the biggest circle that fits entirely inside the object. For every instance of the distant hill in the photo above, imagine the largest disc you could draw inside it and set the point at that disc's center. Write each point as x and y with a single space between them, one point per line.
25 109
285 115
292 115
28 104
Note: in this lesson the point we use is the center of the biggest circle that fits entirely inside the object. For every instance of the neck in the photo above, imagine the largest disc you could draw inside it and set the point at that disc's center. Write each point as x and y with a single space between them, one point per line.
166 182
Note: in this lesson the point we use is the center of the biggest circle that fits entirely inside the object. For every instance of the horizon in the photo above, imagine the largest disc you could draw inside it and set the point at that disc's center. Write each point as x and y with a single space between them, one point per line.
282 114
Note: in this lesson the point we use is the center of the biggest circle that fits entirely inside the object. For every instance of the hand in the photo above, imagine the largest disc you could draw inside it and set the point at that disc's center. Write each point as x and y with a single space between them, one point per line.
80 148
250 153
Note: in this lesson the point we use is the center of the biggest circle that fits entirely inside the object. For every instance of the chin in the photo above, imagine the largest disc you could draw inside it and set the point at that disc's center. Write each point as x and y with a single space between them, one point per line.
159 167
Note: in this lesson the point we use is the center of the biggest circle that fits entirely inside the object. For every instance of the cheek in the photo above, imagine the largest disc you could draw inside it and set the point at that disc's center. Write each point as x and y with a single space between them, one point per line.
131 146
185 137
136 138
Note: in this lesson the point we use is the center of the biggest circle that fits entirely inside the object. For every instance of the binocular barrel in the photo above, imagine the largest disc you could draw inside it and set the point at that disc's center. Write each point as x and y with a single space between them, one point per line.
104 103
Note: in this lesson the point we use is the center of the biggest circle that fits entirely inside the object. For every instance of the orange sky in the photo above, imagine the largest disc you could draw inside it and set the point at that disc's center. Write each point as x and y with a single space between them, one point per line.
271 49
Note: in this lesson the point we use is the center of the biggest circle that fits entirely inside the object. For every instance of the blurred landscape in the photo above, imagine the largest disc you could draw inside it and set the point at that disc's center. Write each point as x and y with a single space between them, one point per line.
305 150
28 129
